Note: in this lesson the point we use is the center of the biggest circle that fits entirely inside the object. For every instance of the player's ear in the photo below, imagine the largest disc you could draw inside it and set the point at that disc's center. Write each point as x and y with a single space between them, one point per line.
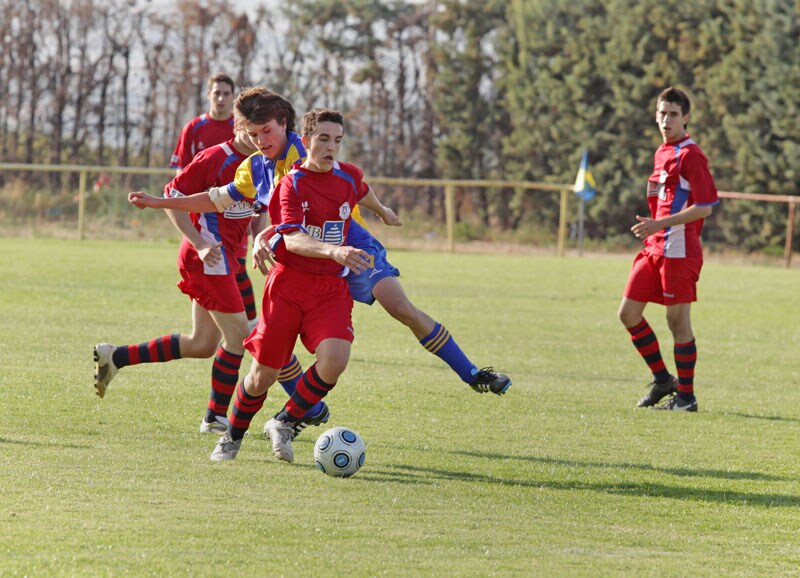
306 141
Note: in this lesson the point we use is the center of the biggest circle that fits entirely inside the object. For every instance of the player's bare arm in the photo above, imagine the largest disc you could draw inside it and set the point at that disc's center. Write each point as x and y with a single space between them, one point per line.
306 245
647 226
200 203
371 203
263 257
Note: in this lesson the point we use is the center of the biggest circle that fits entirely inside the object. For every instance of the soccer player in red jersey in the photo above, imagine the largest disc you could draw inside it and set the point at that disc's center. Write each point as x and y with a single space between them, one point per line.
209 129
208 265
681 194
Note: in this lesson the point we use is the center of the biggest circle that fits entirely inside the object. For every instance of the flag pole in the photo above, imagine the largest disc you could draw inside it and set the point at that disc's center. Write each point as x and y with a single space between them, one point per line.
580 227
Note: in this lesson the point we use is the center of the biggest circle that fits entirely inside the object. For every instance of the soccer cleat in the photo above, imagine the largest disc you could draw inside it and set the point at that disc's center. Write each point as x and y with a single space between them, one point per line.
658 392
281 434
104 368
322 417
675 403
226 448
489 380
219 426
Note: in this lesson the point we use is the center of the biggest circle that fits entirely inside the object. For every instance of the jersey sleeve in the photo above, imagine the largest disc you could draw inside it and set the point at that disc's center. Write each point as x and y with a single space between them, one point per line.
285 208
182 155
191 179
694 169
242 188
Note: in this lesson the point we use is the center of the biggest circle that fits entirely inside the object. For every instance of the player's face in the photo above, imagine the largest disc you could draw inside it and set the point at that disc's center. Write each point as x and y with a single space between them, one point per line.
270 137
220 100
671 121
323 146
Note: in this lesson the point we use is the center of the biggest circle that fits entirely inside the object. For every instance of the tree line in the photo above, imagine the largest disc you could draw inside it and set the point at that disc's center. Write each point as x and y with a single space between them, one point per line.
468 89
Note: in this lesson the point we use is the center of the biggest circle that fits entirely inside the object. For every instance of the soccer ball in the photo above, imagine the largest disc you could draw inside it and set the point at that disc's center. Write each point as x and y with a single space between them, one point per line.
340 452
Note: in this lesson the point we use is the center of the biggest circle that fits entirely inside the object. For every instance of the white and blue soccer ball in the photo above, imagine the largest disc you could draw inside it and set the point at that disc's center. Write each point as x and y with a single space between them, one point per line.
340 452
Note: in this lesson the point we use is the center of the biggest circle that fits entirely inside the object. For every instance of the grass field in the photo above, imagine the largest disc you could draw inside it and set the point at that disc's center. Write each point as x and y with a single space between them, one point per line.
560 477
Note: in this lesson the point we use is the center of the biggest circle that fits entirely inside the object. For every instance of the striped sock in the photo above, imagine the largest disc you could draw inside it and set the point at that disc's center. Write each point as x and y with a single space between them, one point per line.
646 343
442 344
224 375
245 407
164 348
685 360
246 290
310 390
288 377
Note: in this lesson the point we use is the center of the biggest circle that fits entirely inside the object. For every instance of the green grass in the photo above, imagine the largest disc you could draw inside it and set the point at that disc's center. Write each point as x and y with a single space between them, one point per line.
560 477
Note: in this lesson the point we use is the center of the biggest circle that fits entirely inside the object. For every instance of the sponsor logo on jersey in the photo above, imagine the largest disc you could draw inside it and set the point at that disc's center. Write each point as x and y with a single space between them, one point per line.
239 210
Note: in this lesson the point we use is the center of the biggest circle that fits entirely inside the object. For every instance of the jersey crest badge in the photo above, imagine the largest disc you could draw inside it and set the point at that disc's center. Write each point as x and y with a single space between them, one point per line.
344 211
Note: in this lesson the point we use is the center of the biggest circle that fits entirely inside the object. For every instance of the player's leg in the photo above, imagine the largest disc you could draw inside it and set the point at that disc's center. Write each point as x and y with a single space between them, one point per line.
435 338
225 370
326 331
685 350
288 377
644 286
270 344
251 393
679 278
201 343
246 290
332 357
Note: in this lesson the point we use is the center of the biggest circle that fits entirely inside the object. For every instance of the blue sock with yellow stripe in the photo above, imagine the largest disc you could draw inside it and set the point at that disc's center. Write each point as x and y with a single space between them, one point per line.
442 344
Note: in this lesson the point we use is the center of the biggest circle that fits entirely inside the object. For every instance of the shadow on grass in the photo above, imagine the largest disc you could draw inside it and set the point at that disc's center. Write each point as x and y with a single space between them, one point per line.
682 472
417 475
764 417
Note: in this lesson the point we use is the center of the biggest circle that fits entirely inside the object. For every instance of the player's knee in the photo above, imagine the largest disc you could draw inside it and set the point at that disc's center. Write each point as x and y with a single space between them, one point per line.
199 346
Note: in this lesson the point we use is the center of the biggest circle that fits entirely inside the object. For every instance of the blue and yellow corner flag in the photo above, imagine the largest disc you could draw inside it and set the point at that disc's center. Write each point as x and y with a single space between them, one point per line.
584 182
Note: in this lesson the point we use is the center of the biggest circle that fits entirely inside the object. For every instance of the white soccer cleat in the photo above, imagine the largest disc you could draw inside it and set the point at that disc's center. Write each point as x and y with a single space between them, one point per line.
219 426
226 449
281 434
104 368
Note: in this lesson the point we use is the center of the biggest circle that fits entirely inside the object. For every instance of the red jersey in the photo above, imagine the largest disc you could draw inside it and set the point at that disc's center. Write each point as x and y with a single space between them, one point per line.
680 179
319 204
213 167
199 134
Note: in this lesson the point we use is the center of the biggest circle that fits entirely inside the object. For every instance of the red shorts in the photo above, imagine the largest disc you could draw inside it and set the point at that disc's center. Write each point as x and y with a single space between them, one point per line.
667 281
212 292
313 307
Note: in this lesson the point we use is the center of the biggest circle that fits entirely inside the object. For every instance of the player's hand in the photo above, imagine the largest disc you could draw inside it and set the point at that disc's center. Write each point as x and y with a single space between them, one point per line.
390 218
263 257
356 259
142 200
645 227
210 254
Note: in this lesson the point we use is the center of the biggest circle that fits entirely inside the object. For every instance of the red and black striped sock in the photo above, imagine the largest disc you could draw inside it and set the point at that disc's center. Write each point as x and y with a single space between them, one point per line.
224 375
245 407
685 360
165 348
246 290
310 389
646 343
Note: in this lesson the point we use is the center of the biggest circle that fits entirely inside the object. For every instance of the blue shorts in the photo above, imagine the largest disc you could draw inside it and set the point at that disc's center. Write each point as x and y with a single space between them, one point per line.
361 284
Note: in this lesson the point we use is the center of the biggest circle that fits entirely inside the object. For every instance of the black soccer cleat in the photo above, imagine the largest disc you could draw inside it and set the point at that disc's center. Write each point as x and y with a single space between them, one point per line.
675 403
658 392
489 380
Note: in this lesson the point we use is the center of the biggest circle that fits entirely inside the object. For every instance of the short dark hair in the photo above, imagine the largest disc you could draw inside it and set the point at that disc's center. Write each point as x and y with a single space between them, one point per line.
260 105
220 78
675 96
313 117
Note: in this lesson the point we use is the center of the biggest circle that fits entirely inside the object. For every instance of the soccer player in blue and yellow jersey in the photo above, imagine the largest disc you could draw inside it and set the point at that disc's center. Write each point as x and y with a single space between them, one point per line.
681 194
